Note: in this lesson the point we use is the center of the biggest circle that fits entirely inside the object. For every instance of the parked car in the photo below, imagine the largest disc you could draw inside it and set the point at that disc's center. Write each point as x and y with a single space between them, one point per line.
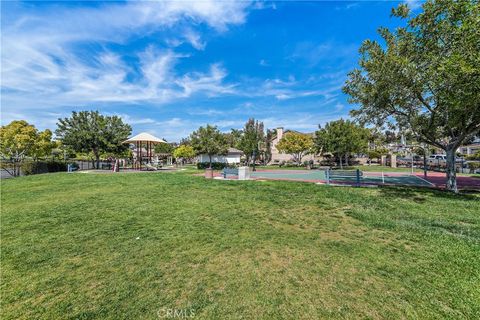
437 158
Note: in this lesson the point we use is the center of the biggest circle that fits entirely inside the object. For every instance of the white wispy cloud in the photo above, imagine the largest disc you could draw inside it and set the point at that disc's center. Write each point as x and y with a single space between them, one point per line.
42 68
414 4
301 121
263 63
313 53
290 88
210 84
194 39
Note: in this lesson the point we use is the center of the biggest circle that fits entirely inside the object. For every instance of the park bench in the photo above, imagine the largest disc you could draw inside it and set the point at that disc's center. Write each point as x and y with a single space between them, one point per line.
229 171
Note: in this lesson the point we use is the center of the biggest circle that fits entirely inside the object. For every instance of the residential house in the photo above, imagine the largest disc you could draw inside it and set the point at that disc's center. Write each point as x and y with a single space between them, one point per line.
470 149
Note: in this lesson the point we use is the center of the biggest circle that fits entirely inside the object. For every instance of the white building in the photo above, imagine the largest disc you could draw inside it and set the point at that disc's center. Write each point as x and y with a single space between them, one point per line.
232 157
470 148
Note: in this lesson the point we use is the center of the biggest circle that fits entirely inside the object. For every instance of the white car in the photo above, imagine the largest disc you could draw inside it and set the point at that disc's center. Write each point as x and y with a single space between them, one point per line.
442 158
437 157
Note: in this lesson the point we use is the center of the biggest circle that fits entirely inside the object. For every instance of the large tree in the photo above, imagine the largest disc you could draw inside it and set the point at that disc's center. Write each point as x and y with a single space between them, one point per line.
296 144
342 138
43 145
19 140
426 76
184 152
252 140
233 137
89 131
210 141
164 148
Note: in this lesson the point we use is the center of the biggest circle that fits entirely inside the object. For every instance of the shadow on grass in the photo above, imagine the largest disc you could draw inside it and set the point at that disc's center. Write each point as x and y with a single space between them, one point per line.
419 194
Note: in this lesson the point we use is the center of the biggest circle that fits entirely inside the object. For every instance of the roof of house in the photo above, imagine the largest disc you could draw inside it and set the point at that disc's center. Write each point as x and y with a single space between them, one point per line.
234 151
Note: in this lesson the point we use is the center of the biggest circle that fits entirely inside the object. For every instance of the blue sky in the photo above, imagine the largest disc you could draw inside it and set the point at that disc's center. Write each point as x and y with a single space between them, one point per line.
169 67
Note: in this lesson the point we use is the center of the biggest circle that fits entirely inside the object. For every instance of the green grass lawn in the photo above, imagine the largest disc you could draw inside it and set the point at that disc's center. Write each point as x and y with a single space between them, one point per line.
124 246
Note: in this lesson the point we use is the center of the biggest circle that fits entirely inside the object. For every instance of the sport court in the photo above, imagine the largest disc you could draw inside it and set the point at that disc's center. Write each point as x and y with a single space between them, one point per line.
366 178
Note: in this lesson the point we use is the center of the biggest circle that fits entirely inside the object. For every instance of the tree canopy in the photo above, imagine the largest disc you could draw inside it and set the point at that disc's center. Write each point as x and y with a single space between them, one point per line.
184 152
233 137
19 140
89 131
426 77
341 138
252 139
296 144
210 141
164 148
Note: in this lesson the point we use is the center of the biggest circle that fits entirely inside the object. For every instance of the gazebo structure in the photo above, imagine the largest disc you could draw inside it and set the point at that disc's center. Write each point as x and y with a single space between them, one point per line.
140 140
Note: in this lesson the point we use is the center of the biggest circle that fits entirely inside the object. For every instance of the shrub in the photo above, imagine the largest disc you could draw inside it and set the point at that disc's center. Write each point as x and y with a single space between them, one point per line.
473 166
215 165
475 156
36 167
372 154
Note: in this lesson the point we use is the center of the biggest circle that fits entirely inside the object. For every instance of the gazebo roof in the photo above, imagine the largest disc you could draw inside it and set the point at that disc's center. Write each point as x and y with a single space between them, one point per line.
144 137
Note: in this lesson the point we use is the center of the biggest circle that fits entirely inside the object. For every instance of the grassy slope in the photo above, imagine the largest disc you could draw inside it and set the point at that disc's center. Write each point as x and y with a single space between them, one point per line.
232 249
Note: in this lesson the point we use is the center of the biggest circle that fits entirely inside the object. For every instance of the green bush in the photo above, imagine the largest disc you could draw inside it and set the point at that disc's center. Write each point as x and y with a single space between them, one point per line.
372 154
215 165
36 167
473 166
475 156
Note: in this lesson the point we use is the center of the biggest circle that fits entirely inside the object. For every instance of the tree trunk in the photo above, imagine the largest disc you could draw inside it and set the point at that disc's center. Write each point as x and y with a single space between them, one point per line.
450 169
210 161
299 156
424 164
15 168
346 160
340 160
97 160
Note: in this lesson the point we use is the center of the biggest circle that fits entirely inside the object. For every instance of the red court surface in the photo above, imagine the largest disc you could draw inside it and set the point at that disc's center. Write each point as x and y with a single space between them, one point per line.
463 182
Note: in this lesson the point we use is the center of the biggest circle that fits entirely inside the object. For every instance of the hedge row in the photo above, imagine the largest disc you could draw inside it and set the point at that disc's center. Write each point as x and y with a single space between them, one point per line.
35 167
215 165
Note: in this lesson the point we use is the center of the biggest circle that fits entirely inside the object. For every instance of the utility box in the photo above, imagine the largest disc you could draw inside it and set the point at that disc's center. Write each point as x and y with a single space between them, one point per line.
243 173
